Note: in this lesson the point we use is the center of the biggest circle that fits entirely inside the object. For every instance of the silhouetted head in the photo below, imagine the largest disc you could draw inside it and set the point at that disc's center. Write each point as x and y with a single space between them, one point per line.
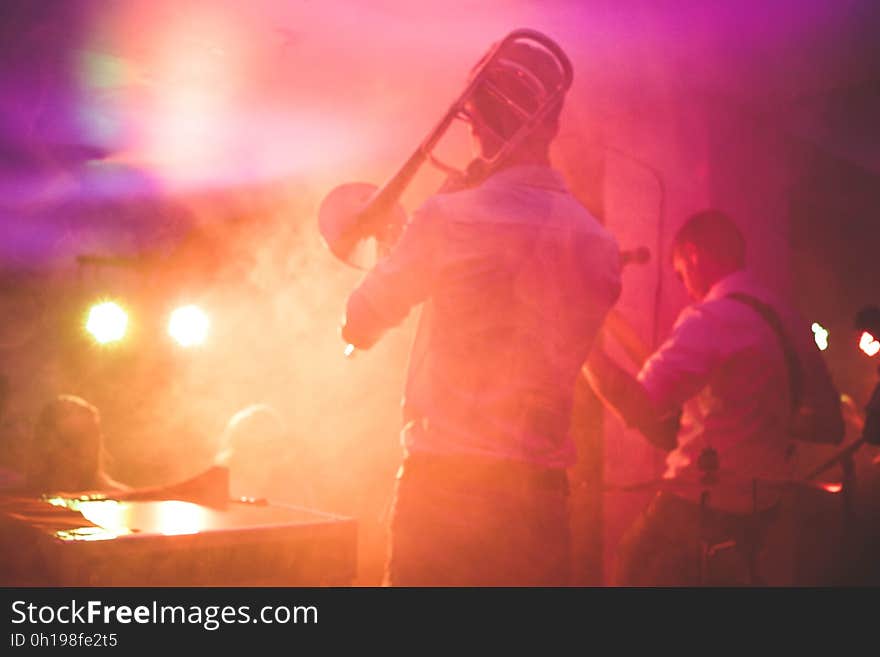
524 75
708 247
66 453
253 438
255 447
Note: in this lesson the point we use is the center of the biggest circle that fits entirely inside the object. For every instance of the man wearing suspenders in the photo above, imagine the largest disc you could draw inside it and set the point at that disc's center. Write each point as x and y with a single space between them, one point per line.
737 382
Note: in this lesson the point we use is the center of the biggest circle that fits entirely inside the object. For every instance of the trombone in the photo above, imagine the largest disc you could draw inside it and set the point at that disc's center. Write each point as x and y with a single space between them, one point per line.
358 221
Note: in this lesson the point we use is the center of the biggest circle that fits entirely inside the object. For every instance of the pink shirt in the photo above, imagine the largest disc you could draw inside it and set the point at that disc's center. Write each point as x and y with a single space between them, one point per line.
724 366
517 278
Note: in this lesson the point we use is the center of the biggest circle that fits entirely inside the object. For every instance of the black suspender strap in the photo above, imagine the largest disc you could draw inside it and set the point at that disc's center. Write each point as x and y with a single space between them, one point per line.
795 372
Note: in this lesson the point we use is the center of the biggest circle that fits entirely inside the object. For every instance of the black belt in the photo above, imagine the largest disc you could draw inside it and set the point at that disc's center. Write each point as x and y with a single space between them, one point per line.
461 468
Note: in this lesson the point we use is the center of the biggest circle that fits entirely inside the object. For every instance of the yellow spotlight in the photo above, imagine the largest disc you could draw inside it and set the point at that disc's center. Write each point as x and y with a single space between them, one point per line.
107 322
189 326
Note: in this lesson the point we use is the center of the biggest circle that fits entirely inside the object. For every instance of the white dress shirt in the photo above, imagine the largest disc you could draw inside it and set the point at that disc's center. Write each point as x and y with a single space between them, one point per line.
517 277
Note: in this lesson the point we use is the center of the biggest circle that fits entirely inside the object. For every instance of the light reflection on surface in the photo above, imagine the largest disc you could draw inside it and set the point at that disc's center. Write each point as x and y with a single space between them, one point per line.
112 519
175 517
107 515
85 534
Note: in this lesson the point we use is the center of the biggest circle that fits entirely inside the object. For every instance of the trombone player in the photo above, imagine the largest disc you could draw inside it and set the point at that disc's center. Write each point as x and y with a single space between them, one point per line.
514 277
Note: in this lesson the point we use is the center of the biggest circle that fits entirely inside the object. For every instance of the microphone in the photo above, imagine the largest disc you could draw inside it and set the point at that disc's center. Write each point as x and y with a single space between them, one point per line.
638 256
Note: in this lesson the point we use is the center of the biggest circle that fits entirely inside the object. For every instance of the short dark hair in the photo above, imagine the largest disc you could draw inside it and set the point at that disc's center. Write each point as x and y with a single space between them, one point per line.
713 232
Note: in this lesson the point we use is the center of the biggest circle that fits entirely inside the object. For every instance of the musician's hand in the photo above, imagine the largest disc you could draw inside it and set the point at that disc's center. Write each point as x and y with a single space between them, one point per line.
354 339
350 350
346 333
621 391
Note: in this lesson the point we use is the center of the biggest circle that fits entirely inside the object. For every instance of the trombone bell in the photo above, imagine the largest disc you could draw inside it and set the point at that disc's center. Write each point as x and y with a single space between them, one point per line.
525 75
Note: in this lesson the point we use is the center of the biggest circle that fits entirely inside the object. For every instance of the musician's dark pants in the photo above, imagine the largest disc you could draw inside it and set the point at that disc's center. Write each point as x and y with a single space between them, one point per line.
467 522
675 543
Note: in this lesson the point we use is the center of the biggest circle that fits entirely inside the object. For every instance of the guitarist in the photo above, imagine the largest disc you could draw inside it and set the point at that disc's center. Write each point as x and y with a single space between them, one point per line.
728 393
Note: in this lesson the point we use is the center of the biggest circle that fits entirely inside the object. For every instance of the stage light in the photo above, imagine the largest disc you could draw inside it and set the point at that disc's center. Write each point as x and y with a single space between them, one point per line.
107 322
189 326
820 335
869 344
